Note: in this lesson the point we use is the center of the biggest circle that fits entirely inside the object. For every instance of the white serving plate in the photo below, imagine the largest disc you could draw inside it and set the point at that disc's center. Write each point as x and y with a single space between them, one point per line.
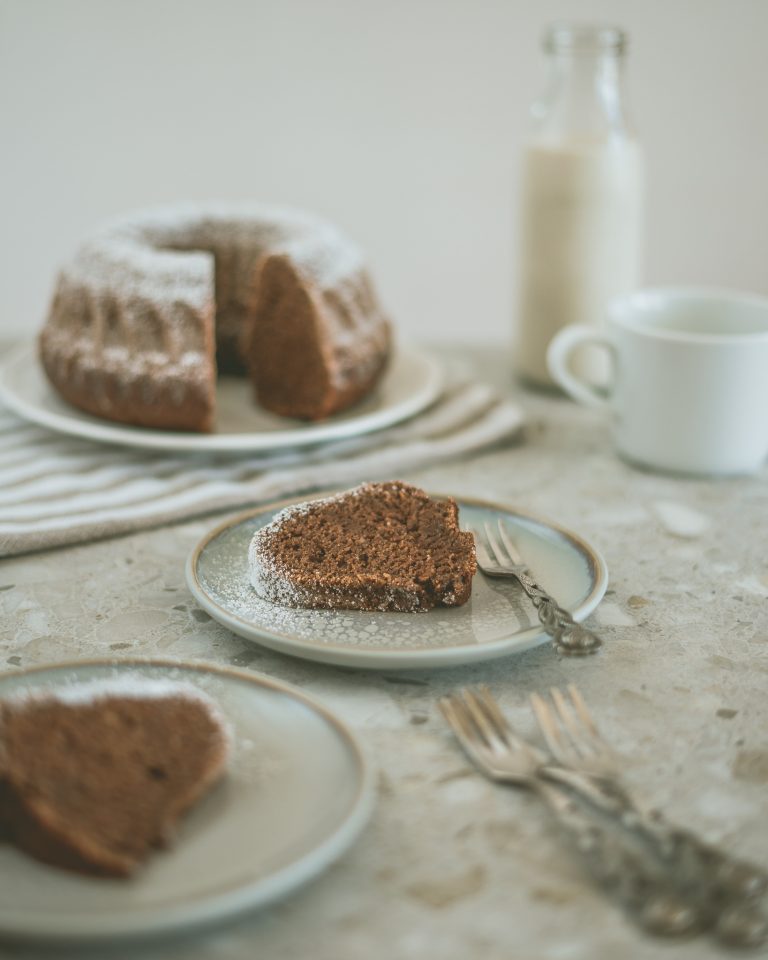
297 793
410 383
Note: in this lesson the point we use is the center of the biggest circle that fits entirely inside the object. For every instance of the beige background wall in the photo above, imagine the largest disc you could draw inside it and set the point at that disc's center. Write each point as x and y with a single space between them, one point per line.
400 119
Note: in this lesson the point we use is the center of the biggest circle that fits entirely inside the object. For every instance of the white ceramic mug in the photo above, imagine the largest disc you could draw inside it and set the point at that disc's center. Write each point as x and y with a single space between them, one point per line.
689 385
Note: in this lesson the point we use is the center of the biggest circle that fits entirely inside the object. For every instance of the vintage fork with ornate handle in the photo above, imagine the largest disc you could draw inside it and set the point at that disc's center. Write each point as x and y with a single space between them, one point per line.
497 556
727 887
617 865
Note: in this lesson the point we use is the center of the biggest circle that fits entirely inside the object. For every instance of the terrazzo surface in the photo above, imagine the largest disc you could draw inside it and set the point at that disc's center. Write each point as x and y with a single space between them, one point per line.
452 866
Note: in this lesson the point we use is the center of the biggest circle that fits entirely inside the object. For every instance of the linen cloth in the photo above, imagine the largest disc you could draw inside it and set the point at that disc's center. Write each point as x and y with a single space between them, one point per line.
57 490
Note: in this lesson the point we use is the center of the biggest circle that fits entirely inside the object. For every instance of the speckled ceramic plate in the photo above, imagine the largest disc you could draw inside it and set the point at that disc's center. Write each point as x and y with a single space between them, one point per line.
410 383
498 619
297 793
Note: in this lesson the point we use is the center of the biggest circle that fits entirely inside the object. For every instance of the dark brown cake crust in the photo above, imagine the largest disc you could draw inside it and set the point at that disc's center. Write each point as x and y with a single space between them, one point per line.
139 399
381 546
95 786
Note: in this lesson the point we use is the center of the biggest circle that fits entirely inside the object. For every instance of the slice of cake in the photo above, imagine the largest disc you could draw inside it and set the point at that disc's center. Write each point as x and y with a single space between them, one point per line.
380 546
94 776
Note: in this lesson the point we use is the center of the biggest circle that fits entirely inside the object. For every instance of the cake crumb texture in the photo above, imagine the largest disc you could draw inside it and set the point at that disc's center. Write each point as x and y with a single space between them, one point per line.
381 546
95 780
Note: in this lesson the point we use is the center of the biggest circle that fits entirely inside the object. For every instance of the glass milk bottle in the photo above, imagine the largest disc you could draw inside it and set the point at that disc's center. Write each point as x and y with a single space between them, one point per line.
582 197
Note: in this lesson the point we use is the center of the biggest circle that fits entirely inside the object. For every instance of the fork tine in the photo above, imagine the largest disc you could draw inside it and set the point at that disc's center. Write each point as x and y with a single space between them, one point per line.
493 544
580 739
512 741
600 746
446 708
486 720
509 545
553 735
492 708
481 550
453 711
581 709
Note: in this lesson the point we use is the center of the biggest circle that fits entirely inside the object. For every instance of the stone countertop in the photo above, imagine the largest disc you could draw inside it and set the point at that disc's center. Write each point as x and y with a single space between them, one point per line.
452 866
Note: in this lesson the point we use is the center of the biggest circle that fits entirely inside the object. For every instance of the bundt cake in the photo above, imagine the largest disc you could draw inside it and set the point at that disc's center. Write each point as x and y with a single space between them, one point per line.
96 775
380 546
150 307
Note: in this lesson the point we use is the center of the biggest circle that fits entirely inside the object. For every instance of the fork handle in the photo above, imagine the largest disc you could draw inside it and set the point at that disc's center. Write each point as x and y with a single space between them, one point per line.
715 874
726 888
621 869
705 865
568 637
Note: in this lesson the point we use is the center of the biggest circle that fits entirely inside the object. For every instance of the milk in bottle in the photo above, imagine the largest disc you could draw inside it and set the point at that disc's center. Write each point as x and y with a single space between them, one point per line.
581 202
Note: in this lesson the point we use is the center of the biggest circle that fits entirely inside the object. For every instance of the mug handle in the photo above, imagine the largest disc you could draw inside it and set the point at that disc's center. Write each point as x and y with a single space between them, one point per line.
560 350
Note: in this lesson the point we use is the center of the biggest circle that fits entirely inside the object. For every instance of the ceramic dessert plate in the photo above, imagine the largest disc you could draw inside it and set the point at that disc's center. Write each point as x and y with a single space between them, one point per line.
498 620
296 794
410 383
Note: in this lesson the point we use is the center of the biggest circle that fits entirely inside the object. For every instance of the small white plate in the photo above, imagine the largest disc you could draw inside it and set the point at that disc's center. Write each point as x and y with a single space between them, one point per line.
410 383
498 619
298 791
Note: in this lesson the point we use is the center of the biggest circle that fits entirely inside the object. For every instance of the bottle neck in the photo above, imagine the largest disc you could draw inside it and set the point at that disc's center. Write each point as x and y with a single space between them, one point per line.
584 98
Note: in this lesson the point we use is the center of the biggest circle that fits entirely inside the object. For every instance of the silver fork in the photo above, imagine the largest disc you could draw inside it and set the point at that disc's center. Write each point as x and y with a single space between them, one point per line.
727 887
497 556
614 863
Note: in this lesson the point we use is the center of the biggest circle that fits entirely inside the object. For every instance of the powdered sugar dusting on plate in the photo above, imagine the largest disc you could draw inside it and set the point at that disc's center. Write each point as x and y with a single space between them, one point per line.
495 610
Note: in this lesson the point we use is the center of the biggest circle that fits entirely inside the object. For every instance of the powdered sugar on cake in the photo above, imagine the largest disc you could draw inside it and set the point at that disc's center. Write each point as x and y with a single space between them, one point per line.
151 303
124 687
168 253
380 546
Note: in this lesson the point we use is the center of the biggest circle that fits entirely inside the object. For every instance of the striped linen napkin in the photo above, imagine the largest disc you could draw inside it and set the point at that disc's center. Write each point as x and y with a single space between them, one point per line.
57 490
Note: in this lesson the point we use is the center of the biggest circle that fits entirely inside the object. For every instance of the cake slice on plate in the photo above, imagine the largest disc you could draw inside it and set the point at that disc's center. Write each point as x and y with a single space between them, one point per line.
381 546
95 776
